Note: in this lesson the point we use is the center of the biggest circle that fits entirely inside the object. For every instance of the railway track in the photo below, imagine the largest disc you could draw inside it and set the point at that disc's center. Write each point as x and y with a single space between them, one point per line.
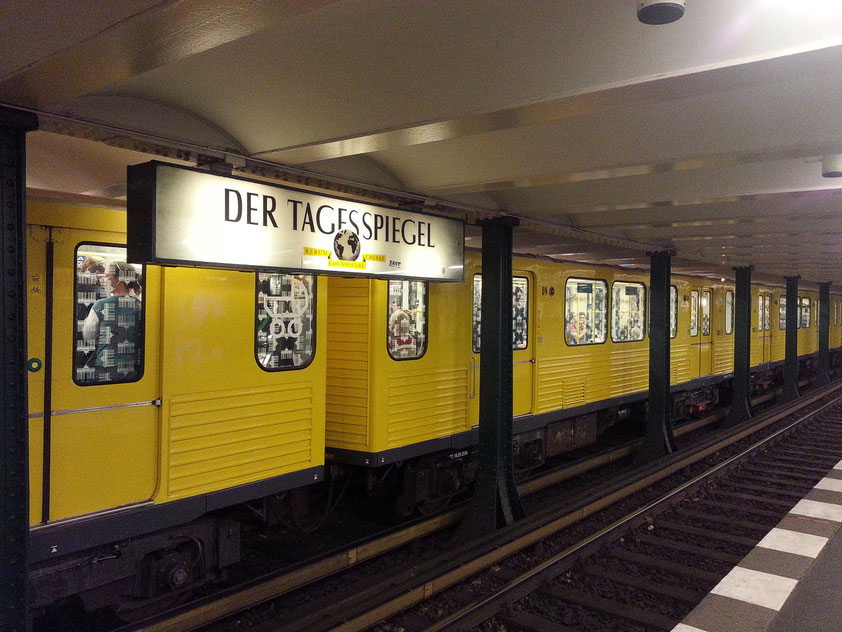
647 570
352 607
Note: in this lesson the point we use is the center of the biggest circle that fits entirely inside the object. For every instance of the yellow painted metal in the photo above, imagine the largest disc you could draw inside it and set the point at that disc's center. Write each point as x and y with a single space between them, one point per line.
835 334
226 421
723 343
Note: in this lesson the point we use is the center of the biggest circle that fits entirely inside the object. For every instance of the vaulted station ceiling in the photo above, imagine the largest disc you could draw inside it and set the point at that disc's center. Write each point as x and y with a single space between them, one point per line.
607 137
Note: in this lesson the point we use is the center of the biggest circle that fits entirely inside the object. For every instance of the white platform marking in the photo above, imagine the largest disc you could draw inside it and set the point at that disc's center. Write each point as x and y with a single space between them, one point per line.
682 627
838 466
793 542
816 509
831 484
761 589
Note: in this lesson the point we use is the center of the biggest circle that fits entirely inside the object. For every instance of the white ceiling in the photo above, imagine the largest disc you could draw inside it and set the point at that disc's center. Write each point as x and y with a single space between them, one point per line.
608 137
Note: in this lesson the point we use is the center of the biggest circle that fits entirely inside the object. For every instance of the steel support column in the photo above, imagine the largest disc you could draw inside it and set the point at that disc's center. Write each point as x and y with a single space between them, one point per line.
495 502
823 375
14 497
790 387
740 402
660 439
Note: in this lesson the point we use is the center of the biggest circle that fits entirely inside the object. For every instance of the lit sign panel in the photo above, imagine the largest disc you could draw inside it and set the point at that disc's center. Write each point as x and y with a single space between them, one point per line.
184 216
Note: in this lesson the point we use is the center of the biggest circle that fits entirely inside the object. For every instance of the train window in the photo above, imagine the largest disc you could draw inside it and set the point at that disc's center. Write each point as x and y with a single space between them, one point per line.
108 341
835 312
694 312
767 313
761 313
520 313
706 313
406 328
285 320
816 312
729 312
673 311
585 302
628 311
804 320
782 312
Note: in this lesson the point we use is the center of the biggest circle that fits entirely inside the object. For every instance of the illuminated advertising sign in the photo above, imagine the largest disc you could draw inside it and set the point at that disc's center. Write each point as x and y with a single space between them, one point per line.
184 216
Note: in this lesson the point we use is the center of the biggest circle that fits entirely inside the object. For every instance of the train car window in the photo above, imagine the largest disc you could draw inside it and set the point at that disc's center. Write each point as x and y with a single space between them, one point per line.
585 302
705 313
285 321
108 340
816 312
520 313
694 312
835 312
729 312
406 323
761 315
628 311
782 312
673 311
767 313
804 313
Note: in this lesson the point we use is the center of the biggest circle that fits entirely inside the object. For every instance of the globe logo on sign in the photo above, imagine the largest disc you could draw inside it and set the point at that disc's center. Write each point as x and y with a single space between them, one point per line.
346 245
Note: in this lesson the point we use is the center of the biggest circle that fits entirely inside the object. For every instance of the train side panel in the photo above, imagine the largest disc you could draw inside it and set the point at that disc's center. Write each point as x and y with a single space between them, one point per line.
226 420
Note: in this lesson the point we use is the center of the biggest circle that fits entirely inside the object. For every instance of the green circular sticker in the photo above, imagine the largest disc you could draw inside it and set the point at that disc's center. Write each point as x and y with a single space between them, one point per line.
34 365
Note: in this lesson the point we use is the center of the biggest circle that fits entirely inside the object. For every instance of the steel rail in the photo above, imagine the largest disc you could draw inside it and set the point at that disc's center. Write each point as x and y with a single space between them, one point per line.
510 591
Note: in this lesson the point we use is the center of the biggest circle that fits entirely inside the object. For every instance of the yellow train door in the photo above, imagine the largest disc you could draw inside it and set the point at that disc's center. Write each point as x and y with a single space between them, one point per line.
523 344
764 326
693 330
100 412
705 342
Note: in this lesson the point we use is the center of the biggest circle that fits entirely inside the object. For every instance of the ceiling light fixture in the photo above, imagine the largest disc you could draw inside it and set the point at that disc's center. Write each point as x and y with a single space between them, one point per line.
832 166
659 11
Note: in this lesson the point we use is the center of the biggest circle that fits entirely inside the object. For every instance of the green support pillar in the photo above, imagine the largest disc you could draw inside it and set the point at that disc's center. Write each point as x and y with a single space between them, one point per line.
740 402
495 502
14 497
659 439
790 387
823 375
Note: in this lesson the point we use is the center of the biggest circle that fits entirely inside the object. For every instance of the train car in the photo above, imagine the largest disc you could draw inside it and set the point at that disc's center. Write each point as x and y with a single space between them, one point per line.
404 363
161 398
157 396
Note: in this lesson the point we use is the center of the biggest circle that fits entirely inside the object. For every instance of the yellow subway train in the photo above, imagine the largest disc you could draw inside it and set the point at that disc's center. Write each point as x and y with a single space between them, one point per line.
161 398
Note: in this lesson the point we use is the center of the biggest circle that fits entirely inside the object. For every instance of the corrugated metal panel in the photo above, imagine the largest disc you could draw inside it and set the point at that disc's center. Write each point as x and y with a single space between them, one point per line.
348 331
723 356
561 385
679 364
221 439
629 369
426 405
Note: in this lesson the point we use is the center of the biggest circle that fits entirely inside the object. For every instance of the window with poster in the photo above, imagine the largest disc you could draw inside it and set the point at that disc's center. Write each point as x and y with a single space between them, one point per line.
406 322
804 312
520 313
628 311
694 312
585 310
782 312
729 312
285 321
108 341
673 311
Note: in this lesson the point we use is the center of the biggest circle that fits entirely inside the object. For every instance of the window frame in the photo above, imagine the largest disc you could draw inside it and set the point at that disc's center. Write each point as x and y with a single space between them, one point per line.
729 321
142 368
426 285
478 275
782 312
605 313
767 321
314 321
643 305
694 323
673 310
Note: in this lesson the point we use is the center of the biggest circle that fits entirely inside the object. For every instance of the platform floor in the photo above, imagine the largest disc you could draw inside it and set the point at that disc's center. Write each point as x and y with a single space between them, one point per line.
791 581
